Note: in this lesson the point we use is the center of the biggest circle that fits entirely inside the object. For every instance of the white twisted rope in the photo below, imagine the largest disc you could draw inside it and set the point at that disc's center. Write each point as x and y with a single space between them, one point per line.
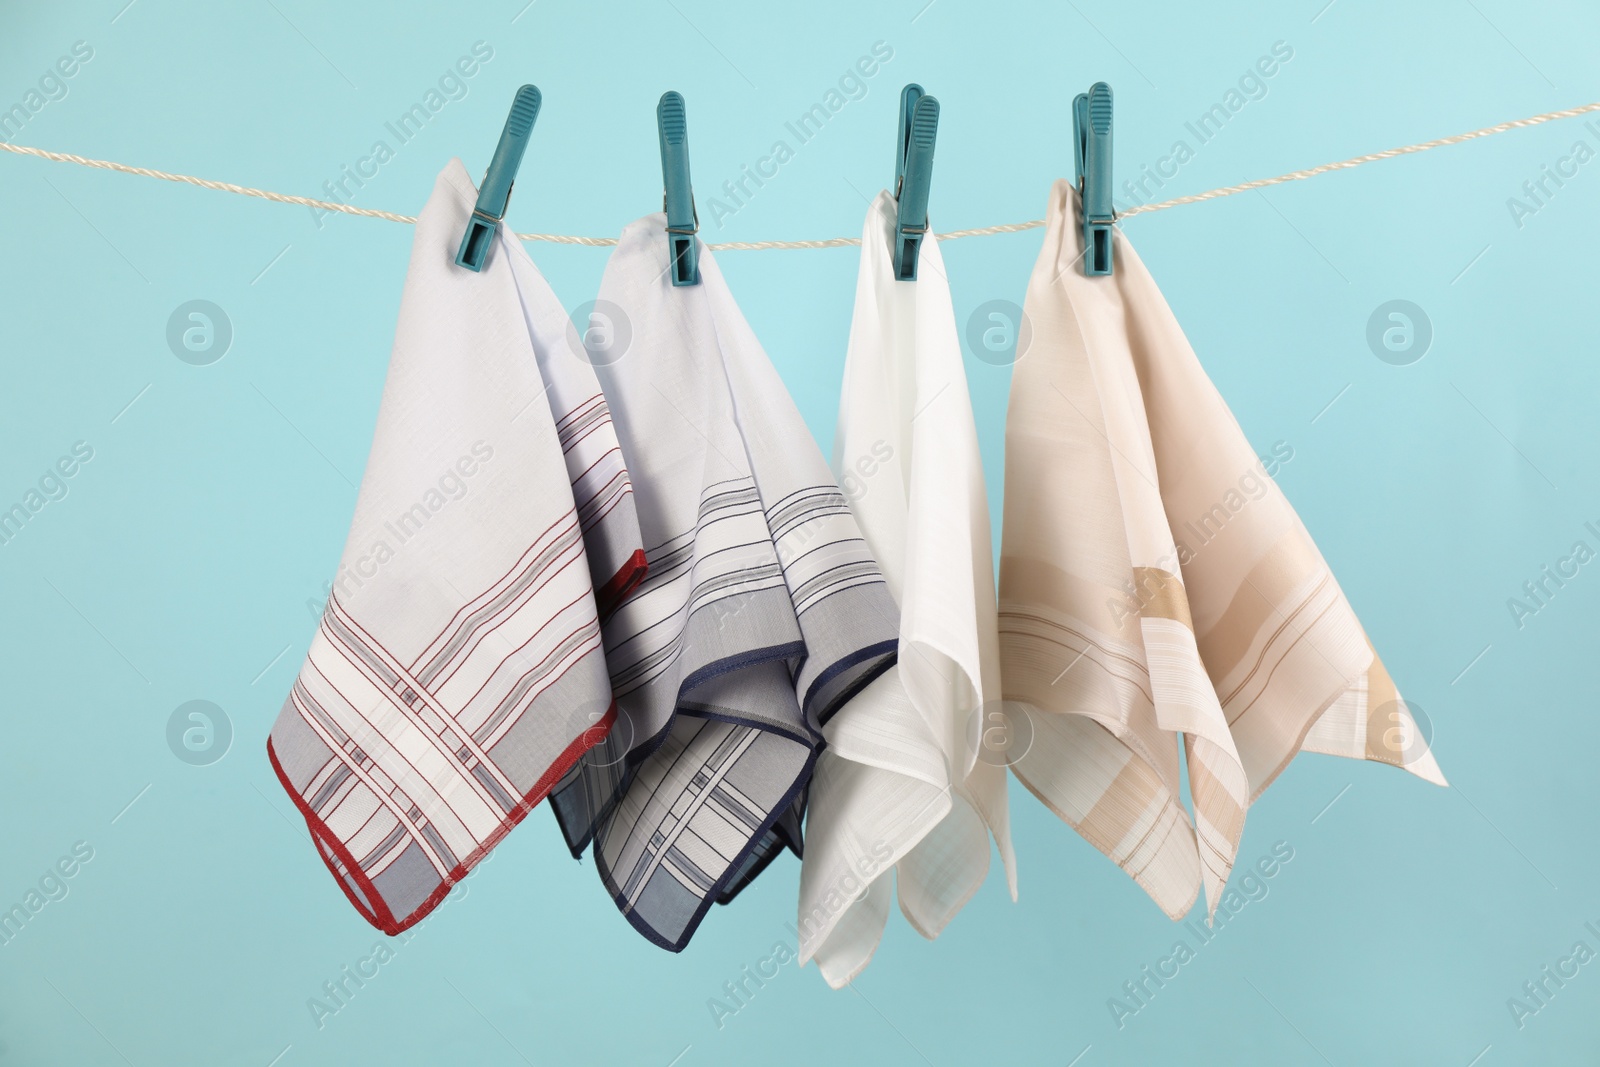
1301 175
832 242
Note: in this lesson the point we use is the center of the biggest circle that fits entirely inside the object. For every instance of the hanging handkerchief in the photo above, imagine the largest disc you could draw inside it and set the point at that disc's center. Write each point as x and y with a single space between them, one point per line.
601 489
762 611
1155 584
458 670
901 786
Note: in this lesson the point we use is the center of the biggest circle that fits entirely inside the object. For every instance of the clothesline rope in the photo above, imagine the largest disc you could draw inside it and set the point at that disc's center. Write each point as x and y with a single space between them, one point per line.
832 242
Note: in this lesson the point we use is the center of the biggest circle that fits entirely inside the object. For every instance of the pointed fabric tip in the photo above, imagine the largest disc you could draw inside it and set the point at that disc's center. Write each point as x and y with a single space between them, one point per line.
1227 639
1427 768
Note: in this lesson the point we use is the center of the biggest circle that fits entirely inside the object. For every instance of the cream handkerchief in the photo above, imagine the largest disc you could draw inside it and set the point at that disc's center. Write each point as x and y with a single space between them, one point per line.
458 670
761 614
1156 586
901 786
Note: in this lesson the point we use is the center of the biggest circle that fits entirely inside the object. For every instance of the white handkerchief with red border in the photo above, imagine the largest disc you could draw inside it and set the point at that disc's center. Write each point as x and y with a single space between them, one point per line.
458 670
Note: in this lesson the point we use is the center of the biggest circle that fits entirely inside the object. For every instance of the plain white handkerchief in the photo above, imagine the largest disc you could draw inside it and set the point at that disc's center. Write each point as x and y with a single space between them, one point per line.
901 785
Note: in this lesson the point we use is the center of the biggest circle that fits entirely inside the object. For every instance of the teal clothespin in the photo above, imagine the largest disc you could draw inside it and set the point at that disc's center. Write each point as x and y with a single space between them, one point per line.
495 192
1091 155
913 174
683 221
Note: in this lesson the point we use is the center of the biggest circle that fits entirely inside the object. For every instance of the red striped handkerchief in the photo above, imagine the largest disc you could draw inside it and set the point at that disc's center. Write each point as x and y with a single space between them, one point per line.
458 670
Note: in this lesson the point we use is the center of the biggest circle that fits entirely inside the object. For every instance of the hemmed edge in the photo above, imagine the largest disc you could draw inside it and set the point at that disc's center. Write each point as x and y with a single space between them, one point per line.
622 584
379 914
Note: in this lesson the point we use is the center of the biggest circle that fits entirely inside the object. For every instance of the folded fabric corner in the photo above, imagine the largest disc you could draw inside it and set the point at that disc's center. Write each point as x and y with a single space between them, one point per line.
457 673
906 796
761 613
1157 590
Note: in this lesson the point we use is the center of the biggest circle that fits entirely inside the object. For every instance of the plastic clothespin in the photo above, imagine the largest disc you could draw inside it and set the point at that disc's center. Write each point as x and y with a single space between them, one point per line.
1091 154
913 174
683 221
495 192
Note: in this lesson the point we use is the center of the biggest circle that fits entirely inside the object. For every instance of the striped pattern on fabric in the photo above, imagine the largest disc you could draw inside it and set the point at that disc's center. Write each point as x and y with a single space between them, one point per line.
459 671
602 491
762 610
1157 588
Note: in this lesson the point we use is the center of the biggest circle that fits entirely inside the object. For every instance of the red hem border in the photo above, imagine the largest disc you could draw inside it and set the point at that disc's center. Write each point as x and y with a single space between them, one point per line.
379 914
624 582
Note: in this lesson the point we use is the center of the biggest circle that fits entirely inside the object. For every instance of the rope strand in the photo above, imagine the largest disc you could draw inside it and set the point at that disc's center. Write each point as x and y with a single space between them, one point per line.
832 242
1302 175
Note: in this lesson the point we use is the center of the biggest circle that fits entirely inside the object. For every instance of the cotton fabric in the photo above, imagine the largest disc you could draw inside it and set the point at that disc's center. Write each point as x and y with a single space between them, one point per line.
458 669
762 611
1157 589
904 785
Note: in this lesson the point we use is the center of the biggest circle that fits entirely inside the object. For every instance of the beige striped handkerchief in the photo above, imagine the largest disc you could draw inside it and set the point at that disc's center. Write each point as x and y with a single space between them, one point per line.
1156 588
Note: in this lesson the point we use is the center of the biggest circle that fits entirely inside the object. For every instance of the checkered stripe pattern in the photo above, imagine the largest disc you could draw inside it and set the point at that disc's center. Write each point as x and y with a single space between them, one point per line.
408 773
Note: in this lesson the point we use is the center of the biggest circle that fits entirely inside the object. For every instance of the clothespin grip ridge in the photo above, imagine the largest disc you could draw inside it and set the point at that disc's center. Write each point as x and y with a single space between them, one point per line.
913 173
495 192
677 197
1091 128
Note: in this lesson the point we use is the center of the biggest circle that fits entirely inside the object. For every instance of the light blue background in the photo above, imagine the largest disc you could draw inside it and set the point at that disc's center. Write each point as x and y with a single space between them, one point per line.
180 563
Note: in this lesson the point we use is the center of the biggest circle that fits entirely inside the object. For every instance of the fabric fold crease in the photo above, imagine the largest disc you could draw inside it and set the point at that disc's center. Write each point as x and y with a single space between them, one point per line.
761 612
1157 590
458 672
902 806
